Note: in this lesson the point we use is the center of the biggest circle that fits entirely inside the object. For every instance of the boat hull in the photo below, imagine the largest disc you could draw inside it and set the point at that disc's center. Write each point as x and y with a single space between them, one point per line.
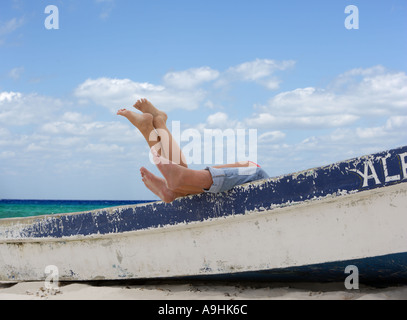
313 239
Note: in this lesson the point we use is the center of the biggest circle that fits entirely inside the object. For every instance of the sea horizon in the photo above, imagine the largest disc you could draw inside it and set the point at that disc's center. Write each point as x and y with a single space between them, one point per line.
33 199
20 208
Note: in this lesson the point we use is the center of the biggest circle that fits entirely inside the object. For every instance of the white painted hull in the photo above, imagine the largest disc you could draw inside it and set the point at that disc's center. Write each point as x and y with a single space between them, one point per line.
357 226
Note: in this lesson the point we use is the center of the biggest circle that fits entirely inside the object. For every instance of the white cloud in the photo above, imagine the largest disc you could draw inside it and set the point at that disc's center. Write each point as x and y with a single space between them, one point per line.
102 148
120 93
271 84
190 78
180 89
218 120
111 132
16 73
378 92
114 93
33 147
107 8
10 26
339 144
260 71
358 94
20 109
4 132
266 120
56 140
396 122
74 117
361 112
271 137
9 96
7 154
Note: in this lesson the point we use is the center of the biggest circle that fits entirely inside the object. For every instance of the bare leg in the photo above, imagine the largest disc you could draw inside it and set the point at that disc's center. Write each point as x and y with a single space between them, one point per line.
146 106
159 187
170 147
243 164
181 177
143 122
180 181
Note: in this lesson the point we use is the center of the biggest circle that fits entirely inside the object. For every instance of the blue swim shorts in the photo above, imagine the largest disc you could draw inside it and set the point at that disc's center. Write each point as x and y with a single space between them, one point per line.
227 178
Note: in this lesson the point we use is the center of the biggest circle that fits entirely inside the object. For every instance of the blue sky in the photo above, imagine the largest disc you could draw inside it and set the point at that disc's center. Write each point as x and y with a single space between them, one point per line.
316 92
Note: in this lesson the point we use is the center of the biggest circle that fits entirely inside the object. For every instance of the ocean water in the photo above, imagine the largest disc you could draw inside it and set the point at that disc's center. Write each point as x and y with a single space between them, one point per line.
31 208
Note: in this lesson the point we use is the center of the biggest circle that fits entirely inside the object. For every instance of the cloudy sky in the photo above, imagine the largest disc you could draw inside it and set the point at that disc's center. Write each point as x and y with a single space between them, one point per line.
316 92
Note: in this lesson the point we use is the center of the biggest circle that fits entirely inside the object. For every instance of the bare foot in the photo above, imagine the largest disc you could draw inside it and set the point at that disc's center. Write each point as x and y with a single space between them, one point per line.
158 186
146 106
143 122
172 172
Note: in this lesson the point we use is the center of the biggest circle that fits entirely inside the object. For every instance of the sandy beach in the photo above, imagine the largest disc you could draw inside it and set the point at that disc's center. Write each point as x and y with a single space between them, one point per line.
198 291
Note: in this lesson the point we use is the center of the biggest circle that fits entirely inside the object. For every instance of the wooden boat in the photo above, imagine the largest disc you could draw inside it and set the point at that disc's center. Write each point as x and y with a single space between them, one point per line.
307 226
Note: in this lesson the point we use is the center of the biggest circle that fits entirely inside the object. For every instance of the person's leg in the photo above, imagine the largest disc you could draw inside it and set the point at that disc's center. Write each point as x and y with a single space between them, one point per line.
169 146
243 164
159 187
180 181
146 106
181 178
143 122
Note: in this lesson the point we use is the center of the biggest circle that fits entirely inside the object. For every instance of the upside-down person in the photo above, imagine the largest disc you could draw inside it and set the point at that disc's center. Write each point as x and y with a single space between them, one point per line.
180 181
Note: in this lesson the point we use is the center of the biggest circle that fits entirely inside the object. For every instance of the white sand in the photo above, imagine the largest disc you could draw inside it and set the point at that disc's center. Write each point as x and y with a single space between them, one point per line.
199 291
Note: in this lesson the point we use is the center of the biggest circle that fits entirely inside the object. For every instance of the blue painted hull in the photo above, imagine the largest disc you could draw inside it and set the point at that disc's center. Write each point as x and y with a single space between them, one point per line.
380 270
338 179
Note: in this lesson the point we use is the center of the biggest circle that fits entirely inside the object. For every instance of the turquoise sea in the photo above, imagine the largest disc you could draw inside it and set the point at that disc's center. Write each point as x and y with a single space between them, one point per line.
30 208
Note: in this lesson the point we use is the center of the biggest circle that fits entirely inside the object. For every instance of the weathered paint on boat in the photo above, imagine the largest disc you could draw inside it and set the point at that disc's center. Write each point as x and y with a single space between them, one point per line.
308 224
